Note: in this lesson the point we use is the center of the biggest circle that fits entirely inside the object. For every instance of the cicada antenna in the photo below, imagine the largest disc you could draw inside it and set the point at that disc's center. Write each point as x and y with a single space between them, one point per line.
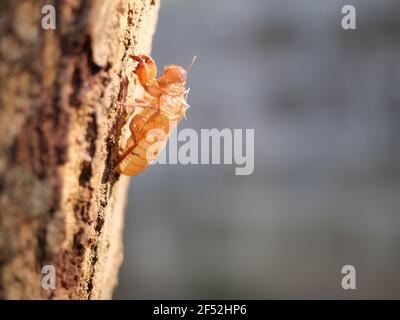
191 64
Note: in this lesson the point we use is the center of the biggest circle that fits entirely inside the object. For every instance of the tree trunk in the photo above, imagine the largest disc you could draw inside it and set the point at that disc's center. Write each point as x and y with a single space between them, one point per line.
60 202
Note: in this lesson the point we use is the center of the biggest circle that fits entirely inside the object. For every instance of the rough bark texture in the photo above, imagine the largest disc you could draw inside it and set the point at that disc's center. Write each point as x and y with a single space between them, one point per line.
60 203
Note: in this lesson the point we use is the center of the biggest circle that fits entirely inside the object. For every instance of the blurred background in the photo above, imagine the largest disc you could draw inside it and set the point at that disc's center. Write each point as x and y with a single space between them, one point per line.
325 192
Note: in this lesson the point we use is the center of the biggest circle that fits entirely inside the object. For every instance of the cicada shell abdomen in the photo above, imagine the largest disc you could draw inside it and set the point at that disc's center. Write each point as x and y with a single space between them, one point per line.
152 139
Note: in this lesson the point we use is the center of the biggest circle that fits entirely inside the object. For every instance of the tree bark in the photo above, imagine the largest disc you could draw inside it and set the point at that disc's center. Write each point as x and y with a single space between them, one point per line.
60 202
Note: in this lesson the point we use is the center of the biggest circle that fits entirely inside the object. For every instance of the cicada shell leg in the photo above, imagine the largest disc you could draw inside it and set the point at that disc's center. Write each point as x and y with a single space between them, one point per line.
146 69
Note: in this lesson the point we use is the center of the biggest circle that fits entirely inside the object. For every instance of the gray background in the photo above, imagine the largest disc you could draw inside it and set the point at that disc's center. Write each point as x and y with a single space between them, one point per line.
325 192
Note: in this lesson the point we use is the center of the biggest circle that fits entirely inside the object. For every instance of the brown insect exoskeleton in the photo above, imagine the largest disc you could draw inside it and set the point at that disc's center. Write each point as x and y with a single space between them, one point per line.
164 106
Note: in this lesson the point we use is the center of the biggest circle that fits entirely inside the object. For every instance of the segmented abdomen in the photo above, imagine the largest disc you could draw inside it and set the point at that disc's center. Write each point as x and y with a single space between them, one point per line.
152 138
